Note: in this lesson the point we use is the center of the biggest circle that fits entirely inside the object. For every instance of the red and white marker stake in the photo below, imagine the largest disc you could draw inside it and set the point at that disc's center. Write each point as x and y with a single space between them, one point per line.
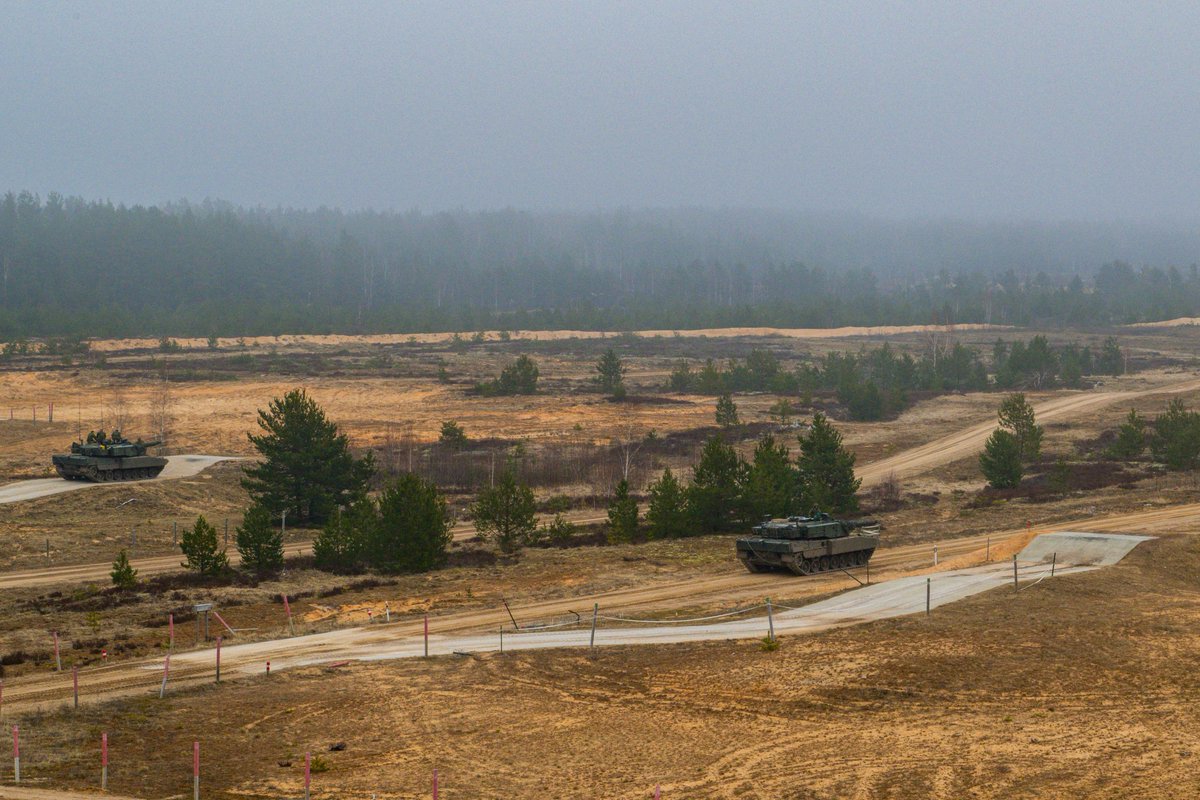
104 762
427 636
435 785
307 773
287 608
657 792
196 770
104 656
268 667
16 755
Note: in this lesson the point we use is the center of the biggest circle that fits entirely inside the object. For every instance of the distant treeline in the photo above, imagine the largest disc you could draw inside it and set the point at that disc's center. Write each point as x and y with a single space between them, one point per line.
876 383
70 267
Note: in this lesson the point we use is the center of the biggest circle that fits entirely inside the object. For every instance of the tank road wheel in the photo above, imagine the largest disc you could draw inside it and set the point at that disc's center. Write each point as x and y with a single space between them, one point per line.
800 566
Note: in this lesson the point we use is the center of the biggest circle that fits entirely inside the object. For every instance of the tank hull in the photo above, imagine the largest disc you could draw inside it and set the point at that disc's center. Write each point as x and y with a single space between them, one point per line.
806 556
104 470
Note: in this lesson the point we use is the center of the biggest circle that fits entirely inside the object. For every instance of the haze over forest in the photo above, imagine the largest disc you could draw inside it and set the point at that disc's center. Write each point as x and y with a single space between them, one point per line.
612 165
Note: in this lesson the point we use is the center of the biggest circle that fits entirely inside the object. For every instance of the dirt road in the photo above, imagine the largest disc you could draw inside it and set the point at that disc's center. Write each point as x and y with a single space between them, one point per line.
181 466
969 441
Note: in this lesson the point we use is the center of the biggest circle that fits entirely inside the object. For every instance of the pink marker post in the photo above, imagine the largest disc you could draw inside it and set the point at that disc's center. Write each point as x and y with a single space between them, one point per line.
196 770
307 773
435 785
657 792
287 609
57 659
104 762
16 755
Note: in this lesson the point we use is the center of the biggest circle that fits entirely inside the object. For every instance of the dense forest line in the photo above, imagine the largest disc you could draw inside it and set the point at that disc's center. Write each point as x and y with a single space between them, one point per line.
71 267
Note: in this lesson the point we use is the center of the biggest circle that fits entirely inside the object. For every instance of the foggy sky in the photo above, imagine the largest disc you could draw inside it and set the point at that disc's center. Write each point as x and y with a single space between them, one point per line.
1007 110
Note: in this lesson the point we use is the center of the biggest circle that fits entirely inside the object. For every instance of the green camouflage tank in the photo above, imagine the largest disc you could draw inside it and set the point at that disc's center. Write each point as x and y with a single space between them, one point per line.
101 458
807 545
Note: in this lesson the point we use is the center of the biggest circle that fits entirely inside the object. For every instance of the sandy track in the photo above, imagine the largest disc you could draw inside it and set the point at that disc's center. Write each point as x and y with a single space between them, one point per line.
157 565
967 442
181 466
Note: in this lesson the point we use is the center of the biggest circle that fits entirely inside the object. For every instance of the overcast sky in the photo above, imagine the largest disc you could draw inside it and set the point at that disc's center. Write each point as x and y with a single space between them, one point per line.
1046 110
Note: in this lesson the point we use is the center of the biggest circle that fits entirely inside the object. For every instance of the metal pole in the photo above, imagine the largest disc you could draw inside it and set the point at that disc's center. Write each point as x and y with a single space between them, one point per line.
935 559
928 585
57 659
427 636
104 762
988 553
595 614
307 773
75 684
175 534
501 639
16 754
770 622
195 771
1053 561
227 531
218 659
162 690
1014 572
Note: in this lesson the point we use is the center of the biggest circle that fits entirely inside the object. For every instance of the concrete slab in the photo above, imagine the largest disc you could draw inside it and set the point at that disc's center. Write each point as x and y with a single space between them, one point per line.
1070 547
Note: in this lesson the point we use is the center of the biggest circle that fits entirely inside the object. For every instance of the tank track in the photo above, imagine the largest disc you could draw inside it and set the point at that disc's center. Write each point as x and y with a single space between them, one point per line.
814 566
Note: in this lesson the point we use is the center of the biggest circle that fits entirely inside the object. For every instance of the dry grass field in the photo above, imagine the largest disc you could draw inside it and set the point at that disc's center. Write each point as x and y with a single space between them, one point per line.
1078 686
1074 687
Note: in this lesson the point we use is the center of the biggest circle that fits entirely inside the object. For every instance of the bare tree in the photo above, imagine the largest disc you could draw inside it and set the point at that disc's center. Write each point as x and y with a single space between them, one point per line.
628 444
118 408
162 411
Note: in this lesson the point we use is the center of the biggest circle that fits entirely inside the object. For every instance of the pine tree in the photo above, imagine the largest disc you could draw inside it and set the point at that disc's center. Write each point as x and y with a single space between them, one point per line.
667 516
259 543
610 374
1016 416
622 515
772 487
307 469
505 512
413 533
727 413
1131 438
714 497
826 469
124 576
1000 460
453 435
199 545
340 545
1176 439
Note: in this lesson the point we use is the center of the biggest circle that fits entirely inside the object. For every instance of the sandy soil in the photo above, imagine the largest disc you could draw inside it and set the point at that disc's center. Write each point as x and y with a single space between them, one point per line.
1074 687
104 345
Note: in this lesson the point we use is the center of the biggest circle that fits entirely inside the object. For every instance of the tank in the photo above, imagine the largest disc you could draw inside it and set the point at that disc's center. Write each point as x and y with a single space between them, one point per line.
101 459
808 545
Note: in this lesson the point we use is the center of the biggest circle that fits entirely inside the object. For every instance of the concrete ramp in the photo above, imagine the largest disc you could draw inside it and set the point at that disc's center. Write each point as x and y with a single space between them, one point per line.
1093 549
